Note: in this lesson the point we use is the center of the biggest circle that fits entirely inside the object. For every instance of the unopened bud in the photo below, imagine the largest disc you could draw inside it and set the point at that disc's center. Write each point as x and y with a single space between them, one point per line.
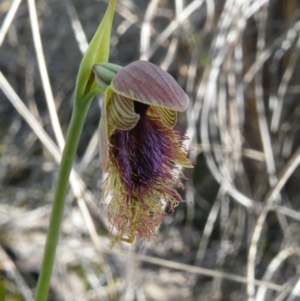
104 74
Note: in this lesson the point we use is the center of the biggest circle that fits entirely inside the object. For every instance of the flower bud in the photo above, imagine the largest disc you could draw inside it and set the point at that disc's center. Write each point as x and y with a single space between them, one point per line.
97 52
104 74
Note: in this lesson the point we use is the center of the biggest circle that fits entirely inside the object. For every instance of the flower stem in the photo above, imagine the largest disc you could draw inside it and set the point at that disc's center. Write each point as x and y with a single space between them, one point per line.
2 289
78 117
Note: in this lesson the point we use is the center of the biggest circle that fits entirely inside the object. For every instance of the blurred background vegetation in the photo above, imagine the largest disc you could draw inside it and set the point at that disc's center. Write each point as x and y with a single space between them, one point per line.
237 235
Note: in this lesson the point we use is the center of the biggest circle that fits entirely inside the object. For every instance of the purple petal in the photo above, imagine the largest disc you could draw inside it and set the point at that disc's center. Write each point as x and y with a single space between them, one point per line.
149 84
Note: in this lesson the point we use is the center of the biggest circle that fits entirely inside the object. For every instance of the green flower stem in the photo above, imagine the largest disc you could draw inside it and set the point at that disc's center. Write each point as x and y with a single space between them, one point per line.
2 289
78 117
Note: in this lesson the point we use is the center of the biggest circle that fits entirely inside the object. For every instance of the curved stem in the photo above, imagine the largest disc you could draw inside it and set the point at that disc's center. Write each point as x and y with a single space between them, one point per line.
78 117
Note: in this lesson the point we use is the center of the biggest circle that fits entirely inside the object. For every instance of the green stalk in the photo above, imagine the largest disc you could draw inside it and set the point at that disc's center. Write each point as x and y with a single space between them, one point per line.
78 117
2 289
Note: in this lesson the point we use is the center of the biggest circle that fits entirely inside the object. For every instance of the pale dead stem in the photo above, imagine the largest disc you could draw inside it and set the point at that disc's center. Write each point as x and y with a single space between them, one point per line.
277 102
8 19
209 93
267 147
44 74
214 82
192 269
8 265
272 268
171 28
270 162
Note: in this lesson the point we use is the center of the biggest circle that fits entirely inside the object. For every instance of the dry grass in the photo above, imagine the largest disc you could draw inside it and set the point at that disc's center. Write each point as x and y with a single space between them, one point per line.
237 235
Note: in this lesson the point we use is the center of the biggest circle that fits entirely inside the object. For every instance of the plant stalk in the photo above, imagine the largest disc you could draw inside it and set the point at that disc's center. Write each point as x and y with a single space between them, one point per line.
78 117
2 289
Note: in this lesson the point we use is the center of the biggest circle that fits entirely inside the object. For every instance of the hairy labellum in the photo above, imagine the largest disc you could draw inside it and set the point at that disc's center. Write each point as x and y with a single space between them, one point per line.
143 159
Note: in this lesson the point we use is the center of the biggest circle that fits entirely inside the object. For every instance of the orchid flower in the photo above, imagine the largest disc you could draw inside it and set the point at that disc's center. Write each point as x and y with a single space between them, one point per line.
139 146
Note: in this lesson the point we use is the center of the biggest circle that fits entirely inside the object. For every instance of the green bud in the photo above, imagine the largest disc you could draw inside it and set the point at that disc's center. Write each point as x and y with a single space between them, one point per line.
104 74
97 52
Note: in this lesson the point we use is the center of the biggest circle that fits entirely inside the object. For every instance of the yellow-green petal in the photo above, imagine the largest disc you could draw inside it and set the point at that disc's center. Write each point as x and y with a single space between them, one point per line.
120 112
149 84
105 131
182 160
167 116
